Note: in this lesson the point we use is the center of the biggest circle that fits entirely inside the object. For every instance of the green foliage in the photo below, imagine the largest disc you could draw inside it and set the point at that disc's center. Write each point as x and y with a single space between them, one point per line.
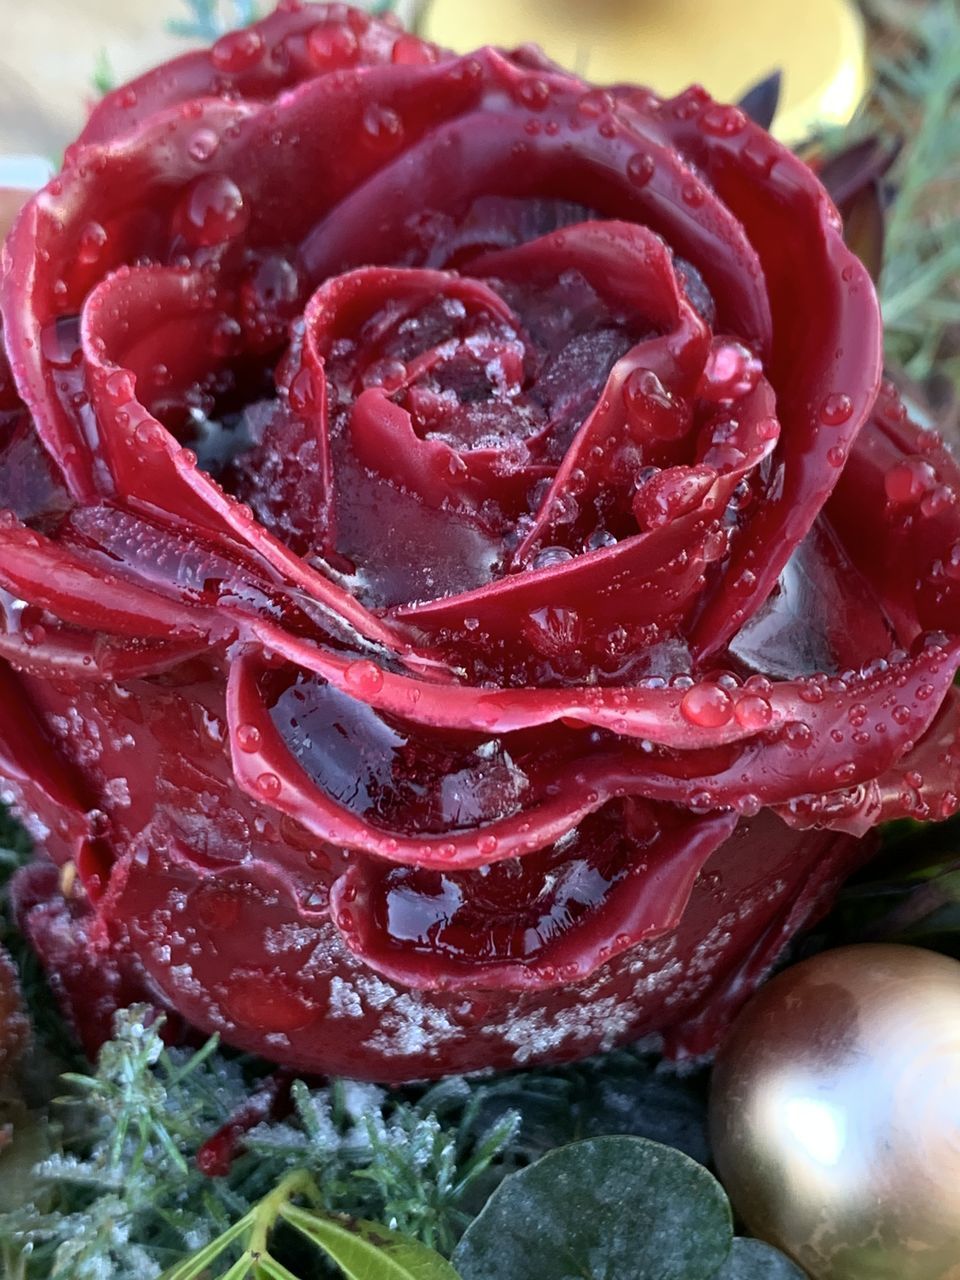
118 1195
211 18
753 1260
910 893
103 78
361 1250
918 90
614 1206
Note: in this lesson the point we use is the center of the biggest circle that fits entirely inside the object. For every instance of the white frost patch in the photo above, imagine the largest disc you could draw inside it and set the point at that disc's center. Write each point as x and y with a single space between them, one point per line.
344 1001
409 1027
117 793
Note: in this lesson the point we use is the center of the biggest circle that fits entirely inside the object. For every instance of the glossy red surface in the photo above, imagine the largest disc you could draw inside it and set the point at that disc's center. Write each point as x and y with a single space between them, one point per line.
467 596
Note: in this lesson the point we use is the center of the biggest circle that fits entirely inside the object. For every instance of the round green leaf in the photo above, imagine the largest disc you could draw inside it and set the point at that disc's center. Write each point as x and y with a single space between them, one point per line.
754 1260
602 1208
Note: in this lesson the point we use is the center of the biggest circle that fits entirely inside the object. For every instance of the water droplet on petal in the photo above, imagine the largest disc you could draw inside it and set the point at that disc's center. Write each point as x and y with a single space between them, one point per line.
908 481
731 372
212 211
707 705
217 906
248 737
364 678
753 712
534 93
203 144
91 243
303 391
120 386
268 784
237 51
595 103
836 410
722 121
382 124
640 168
331 45
550 557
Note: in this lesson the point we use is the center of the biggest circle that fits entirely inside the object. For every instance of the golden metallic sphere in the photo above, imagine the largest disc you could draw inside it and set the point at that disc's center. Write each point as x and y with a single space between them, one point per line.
835 1114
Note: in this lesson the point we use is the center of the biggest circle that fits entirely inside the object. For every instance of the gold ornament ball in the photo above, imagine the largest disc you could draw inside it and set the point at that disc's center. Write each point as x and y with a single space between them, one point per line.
835 1114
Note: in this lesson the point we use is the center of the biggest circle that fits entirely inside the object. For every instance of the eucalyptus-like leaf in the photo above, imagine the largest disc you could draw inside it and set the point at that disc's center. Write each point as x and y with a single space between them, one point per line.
603 1207
367 1251
754 1260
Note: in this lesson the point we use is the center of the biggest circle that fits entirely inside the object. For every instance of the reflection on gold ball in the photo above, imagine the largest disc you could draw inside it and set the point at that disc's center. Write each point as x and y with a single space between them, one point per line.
835 1114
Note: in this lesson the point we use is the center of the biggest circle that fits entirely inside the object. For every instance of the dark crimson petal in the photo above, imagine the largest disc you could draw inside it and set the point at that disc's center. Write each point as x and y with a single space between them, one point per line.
59 653
249 958
897 509
293 44
925 784
47 787
146 460
90 977
827 339
630 267
833 861
381 433
879 714
422 761
252 190
650 577
46 575
573 150
843 737
29 485
557 916
266 771
822 616
651 712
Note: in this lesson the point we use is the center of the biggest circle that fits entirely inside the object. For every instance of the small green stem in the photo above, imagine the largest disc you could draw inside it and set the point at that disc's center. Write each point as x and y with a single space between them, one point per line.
298 1183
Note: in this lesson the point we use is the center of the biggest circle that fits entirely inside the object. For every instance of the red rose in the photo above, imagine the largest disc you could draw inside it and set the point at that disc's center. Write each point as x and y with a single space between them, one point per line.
467 591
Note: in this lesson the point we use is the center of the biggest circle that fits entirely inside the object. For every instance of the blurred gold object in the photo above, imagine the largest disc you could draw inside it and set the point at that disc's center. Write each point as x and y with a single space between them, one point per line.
726 45
835 1114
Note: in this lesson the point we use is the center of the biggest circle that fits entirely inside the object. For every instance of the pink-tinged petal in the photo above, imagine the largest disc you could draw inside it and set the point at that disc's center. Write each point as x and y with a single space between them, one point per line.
557 917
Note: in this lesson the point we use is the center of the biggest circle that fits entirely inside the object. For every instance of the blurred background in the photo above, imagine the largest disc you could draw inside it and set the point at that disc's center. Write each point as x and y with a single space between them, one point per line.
58 53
